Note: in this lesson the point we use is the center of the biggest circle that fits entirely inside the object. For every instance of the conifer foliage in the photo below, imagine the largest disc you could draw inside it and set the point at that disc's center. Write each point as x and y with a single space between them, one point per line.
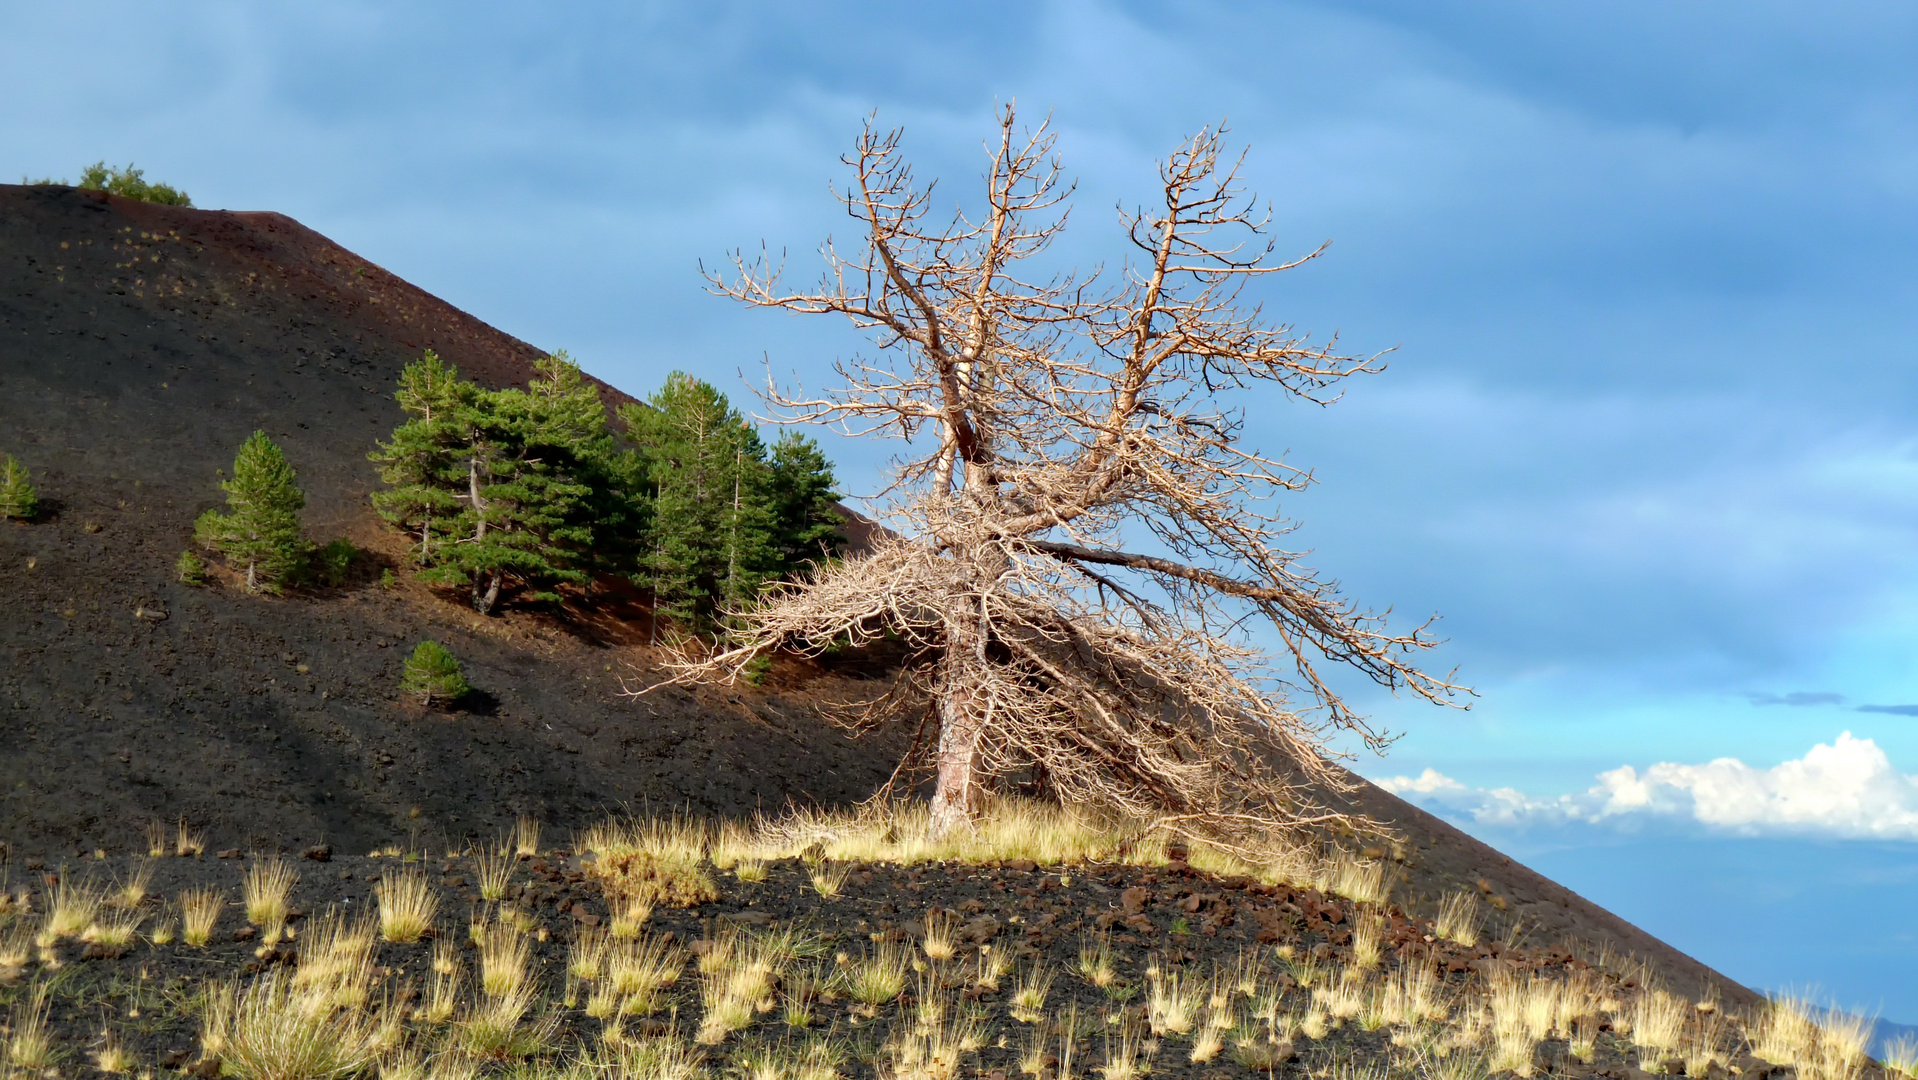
432 674
17 497
259 535
503 486
531 489
729 517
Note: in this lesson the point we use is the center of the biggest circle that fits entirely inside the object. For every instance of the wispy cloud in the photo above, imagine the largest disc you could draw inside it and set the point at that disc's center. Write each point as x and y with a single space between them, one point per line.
1847 788
1799 698
1893 710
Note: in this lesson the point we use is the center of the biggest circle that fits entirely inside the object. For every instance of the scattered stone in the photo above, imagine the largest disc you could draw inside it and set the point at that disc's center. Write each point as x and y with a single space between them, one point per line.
980 929
1134 899
318 853
230 853
246 933
1024 866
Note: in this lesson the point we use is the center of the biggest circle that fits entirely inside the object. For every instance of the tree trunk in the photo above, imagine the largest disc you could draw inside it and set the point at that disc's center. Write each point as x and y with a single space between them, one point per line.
483 601
958 792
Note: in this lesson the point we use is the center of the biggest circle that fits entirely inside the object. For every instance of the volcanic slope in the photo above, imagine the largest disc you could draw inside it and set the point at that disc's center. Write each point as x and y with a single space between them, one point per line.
139 345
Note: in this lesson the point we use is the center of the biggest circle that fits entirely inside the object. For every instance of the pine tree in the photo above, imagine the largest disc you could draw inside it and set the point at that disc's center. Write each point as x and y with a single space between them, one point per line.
508 484
423 463
712 538
261 530
807 527
433 673
17 497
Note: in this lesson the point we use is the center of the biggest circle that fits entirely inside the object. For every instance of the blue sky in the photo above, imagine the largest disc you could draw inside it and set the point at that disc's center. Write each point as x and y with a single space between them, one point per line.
1648 441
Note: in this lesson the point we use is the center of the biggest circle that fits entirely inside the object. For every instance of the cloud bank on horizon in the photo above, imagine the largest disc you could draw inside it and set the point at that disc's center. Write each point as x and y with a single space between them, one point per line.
1845 789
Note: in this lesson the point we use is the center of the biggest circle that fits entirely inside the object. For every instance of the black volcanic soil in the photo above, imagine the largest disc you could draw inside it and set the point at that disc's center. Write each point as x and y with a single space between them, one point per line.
139 346
1186 921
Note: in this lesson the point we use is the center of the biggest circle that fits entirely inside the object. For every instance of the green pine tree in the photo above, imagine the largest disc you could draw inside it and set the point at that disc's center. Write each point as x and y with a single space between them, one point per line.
508 485
807 526
260 533
17 497
713 530
433 673
425 464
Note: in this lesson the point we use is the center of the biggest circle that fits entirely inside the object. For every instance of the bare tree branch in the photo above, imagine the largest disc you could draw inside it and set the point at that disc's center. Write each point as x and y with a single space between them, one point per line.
1079 421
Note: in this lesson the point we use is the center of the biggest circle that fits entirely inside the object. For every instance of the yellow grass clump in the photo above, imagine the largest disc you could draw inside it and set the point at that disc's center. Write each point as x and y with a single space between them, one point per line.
1458 918
267 884
1821 1044
407 906
651 861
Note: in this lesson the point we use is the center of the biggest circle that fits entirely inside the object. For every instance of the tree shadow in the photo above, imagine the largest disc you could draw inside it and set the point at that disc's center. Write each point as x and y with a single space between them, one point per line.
476 702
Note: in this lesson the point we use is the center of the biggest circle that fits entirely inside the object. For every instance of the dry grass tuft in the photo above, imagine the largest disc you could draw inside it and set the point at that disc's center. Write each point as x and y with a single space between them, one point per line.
336 962
503 955
1658 1024
877 979
828 878
1901 1056
187 843
739 975
1368 936
1172 1003
1523 1009
112 1057
637 972
651 861
70 910
1458 919
112 935
1789 1032
1029 994
1355 878
1410 996
268 883
133 890
29 1042
1124 1057
1095 962
272 1034
939 942
407 906
495 1028
526 836
495 872
654 1059
199 911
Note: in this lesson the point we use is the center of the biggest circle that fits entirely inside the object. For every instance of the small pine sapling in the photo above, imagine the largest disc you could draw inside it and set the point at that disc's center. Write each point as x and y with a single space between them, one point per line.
433 674
190 569
333 562
260 533
17 497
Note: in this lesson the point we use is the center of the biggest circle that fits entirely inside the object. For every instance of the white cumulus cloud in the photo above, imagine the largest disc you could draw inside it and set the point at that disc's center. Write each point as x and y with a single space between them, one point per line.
1848 789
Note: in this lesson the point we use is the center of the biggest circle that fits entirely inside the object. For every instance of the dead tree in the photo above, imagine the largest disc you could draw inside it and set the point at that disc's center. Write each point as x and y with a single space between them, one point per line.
1080 533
